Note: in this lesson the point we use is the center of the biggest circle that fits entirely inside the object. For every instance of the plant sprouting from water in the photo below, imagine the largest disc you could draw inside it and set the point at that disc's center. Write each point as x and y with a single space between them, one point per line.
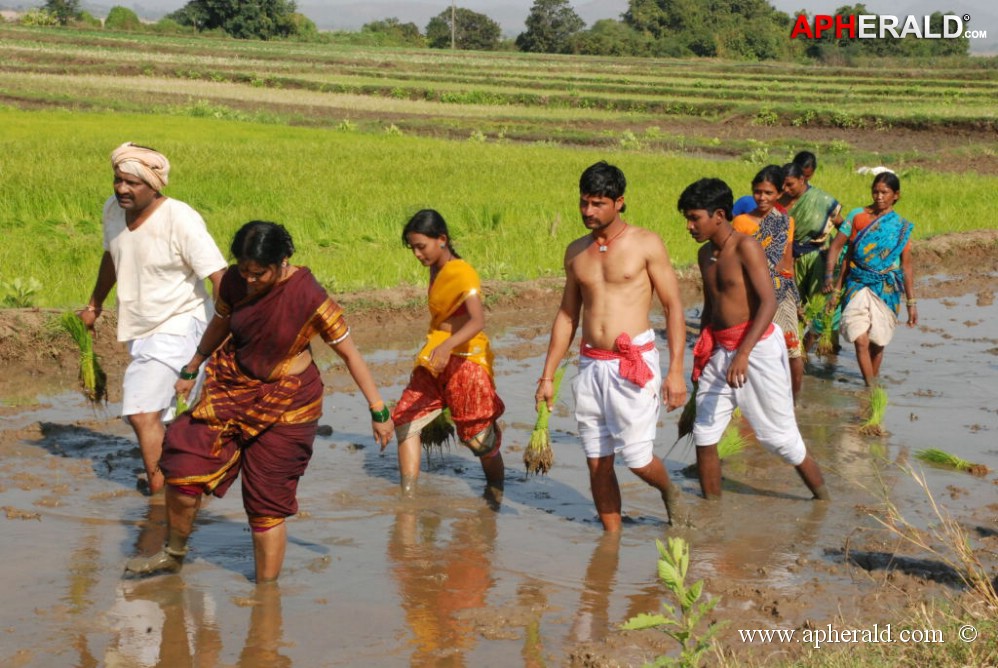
682 624
874 415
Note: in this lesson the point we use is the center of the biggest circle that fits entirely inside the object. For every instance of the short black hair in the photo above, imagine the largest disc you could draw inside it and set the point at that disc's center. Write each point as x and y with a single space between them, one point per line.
603 180
710 194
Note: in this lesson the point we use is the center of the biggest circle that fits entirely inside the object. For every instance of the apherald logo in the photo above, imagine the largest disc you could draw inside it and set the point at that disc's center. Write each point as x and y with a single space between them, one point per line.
873 26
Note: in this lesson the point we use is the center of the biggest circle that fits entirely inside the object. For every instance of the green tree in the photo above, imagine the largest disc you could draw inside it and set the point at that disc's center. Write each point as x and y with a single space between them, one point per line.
550 27
122 18
393 32
474 31
608 37
64 10
743 29
260 19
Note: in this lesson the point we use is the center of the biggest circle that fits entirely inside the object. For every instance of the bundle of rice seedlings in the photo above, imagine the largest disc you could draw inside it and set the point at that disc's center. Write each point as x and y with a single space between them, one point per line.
92 376
689 414
182 405
538 456
875 409
820 312
732 442
438 433
943 458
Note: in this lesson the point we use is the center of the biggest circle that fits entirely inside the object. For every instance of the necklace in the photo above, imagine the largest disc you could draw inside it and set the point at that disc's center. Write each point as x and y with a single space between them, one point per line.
604 246
717 253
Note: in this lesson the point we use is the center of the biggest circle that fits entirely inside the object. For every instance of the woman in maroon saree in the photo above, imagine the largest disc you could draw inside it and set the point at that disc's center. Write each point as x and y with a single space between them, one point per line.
262 397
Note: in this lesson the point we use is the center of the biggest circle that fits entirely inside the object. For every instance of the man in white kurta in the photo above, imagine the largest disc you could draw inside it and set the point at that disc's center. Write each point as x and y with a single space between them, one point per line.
158 252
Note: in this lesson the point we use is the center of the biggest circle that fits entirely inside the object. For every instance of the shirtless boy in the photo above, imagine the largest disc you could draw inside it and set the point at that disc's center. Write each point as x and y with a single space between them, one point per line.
740 359
611 276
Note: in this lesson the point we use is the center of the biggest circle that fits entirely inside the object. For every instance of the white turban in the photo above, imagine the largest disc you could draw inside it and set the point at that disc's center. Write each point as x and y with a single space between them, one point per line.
145 163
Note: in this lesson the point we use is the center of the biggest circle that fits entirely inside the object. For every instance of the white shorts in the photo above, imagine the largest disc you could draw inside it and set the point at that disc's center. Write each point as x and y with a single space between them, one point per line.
866 313
615 416
766 399
154 370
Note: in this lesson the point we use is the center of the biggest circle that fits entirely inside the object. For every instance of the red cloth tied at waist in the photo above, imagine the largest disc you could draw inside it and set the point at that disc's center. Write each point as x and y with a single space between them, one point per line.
709 340
632 365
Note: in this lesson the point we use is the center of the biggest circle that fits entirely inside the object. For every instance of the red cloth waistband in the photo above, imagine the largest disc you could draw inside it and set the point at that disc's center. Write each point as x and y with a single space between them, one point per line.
709 340
632 365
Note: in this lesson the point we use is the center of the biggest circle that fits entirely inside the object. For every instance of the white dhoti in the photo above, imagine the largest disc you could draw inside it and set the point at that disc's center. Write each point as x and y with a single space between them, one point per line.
155 368
766 399
614 415
866 313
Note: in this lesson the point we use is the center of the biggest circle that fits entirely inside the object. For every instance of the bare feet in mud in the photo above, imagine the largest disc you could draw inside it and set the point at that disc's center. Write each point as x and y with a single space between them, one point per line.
493 497
679 514
164 561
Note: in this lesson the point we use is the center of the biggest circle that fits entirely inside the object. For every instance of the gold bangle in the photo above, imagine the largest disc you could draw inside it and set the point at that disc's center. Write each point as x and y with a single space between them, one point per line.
911 302
377 405
545 380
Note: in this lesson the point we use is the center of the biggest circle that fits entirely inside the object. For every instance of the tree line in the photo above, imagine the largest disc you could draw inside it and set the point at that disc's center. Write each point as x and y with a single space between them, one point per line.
731 29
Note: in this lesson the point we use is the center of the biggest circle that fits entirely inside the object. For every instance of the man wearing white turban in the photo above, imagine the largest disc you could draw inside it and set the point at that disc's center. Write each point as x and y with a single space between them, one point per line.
158 252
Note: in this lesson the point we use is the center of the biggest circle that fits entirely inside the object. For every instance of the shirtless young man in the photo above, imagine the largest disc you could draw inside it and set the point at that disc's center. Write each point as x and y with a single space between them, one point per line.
740 359
611 277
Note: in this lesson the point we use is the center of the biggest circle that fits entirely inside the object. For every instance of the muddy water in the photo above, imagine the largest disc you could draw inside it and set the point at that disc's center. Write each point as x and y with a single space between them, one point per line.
371 579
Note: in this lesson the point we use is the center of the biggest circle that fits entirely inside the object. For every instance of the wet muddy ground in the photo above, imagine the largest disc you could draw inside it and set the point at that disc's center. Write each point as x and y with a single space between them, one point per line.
372 579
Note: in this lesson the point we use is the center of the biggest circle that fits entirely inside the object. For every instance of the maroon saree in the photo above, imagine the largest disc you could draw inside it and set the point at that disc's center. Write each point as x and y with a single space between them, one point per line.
252 415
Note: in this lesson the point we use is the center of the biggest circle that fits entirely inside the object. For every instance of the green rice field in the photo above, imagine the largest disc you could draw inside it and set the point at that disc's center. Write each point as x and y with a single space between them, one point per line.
343 144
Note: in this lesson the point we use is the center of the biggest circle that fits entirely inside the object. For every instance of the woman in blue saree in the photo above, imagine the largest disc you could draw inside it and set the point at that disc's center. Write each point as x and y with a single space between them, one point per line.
876 271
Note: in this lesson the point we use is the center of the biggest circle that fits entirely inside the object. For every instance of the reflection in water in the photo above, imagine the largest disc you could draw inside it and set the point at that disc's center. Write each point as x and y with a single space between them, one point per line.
439 577
530 595
162 623
732 547
83 575
152 534
592 620
265 635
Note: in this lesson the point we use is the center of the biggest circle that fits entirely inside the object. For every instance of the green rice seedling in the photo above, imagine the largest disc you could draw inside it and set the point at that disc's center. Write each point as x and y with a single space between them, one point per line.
820 316
538 456
875 409
438 433
92 376
182 405
682 624
689 414
949 460
732 442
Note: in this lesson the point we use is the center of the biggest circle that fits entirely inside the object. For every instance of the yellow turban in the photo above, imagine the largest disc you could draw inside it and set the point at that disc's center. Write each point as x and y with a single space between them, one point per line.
149 165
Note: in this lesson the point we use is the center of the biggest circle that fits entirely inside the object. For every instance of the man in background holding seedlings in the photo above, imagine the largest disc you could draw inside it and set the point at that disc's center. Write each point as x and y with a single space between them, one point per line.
158 252
740 359
611 276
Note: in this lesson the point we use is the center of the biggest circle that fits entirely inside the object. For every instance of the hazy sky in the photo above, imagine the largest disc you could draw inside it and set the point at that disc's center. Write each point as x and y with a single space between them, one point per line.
351 14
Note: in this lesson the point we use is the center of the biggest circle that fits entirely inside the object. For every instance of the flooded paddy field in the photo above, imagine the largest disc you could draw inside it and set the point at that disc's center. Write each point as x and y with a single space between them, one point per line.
444 579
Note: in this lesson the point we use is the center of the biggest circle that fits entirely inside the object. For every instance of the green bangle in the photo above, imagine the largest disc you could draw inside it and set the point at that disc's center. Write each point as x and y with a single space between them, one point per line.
384 415
188 375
